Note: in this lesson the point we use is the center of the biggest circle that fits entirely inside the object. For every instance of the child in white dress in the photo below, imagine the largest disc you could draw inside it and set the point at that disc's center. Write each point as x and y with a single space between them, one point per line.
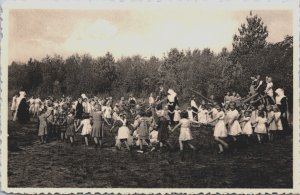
151 99
154 136
247 129
185 135
86 126
202 114
234 128
190 113
107 110
177 115
37 103
261 128
220 130
123 133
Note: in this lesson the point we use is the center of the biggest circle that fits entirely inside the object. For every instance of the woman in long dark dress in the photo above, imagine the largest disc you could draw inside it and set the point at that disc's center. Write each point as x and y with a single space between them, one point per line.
172 103
23 109
281 102
79 111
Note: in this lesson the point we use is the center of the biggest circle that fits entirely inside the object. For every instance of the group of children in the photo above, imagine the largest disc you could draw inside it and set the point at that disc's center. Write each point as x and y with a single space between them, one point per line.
147 125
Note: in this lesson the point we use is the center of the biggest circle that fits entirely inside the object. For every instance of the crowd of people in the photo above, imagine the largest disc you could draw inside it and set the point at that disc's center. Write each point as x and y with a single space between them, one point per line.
146 124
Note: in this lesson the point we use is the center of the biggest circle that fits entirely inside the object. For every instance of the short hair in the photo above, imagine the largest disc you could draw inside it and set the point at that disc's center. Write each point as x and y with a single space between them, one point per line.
184 114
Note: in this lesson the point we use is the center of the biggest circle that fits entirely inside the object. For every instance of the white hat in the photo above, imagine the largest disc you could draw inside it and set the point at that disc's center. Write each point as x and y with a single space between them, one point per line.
22 93
84 96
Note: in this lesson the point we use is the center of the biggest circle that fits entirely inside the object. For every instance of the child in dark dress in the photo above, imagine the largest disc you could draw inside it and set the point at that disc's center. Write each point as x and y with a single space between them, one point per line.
70 123
163 127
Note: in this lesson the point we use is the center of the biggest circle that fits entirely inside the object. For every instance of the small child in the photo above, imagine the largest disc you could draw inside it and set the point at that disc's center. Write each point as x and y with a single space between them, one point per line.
136 138
247 128
278 123
190 114
271 124
234 128
261 128
123 133
86 128
185 135
61 124
177 115
209 115
151 99
163 127
70 132
142 124
220 130
202 114
107 110
43 127
153 136
214 113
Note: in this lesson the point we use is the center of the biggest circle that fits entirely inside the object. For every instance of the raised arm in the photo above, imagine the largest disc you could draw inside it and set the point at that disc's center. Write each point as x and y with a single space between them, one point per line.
176 127
79 127
154 114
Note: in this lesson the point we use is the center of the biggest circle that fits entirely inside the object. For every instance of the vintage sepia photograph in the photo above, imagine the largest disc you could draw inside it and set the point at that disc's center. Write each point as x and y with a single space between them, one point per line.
157 96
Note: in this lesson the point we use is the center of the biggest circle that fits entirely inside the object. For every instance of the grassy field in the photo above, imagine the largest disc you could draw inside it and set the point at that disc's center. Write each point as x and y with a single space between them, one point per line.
57 164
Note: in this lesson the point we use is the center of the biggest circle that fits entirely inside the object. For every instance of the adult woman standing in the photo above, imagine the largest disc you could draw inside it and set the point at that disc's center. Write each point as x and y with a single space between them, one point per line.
97 131
78 111
281 102
172 103
23 109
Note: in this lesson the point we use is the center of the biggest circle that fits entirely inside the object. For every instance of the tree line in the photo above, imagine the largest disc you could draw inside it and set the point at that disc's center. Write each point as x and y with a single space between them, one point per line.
203 70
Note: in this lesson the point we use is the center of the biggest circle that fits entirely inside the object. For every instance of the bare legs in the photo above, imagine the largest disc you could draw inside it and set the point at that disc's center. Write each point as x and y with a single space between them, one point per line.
181 144
221 144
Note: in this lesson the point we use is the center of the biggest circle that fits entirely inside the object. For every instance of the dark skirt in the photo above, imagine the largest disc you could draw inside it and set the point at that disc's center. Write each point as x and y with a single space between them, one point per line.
163 131
23 112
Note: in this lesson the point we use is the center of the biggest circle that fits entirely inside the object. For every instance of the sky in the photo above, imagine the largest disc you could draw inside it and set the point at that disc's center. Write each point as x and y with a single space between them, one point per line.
36 33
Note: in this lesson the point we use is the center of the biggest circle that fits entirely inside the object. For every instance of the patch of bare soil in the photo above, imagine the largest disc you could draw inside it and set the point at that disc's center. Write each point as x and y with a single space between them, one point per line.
57 164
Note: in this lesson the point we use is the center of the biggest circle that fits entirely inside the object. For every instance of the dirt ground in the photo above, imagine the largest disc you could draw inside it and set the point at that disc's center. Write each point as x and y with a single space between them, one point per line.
57 164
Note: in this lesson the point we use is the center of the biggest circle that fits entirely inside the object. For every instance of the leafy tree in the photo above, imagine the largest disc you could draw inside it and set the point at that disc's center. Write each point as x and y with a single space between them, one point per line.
251 38
205 71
